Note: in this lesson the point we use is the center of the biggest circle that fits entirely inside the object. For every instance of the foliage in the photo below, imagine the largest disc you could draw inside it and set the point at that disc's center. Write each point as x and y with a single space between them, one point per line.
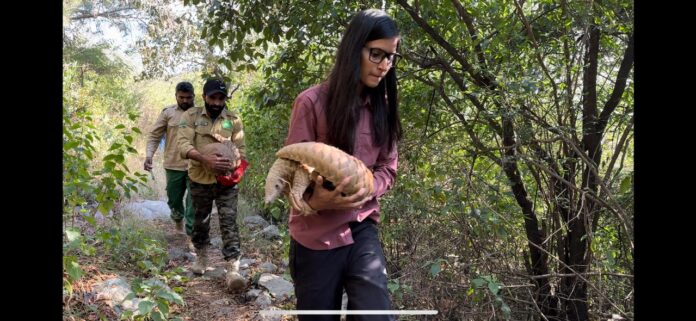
100 132
155 301
95 148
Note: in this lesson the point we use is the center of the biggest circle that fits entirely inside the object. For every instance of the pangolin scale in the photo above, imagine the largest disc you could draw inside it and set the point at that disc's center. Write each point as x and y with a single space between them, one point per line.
293 171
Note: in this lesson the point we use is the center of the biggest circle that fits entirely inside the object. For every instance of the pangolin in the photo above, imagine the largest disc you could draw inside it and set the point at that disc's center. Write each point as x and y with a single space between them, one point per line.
226 148
298 164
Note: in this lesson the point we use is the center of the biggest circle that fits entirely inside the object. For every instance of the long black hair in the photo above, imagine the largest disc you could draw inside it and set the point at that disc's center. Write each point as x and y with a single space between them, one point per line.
345 95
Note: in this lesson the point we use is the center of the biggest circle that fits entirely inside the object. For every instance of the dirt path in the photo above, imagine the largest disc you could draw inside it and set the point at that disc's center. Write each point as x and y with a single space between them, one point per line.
205 296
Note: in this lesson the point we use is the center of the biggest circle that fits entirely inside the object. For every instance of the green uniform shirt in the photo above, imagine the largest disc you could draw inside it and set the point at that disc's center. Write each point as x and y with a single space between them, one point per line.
196 129
167 122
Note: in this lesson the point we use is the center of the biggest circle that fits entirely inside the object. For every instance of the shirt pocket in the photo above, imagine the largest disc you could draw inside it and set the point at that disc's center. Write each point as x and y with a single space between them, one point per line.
224 132
174 122
202 127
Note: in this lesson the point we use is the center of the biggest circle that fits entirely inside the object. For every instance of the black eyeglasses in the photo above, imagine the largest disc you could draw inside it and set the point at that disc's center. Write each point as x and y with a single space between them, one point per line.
377 55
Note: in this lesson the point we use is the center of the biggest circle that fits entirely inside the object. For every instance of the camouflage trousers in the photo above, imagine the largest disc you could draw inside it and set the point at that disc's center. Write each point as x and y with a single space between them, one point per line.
225 198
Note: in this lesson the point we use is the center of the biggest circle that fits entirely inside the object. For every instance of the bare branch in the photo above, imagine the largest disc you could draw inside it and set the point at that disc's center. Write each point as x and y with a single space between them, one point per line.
469 21
620 86
538 56
114 13
479 78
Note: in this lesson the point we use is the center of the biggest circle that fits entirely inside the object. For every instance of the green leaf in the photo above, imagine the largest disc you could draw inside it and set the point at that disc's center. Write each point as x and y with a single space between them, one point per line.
120 126
108 165
393 286
119 174
91 220
115 146
68 287
478 282
72 234
158 316
506 310
626 183
130 296
74 270
136 129
126 315
275 212
173 297
129 138
105 206
163 307
145 306
494 287
70 145
435 268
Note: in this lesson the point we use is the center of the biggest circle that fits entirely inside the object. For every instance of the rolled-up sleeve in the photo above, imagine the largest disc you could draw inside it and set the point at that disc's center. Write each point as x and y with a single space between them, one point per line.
384 171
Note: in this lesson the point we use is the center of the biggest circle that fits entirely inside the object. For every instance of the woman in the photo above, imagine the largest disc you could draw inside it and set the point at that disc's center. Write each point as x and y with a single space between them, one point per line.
356 110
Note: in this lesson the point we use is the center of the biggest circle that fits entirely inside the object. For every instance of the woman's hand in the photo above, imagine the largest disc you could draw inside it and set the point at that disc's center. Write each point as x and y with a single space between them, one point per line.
324 199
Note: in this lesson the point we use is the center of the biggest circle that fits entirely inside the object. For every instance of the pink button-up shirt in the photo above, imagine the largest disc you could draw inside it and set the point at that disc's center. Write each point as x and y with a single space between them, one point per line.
329 229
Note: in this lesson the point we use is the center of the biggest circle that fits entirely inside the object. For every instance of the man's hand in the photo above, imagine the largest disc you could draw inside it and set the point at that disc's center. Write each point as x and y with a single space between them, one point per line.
218 163
148 164
324 199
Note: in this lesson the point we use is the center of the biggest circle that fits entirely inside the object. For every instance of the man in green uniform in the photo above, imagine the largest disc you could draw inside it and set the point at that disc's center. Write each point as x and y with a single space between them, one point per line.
175 166
198 127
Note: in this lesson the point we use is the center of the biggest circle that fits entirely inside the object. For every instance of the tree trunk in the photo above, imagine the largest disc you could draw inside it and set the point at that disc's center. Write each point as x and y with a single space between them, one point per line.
547 302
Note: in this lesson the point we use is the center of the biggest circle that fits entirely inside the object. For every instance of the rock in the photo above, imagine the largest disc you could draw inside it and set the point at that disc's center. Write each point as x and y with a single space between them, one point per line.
216 242
217 273
270 232
113 291
278 287
268 267
263 300
177 254
252 294
244 263
148 210
255 221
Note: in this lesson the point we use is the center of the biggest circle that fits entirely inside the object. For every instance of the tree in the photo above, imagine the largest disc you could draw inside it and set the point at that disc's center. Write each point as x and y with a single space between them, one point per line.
518 67
166 35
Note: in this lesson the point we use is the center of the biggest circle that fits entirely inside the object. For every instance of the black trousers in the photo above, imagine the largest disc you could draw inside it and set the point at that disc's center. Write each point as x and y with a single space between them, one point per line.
321 275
